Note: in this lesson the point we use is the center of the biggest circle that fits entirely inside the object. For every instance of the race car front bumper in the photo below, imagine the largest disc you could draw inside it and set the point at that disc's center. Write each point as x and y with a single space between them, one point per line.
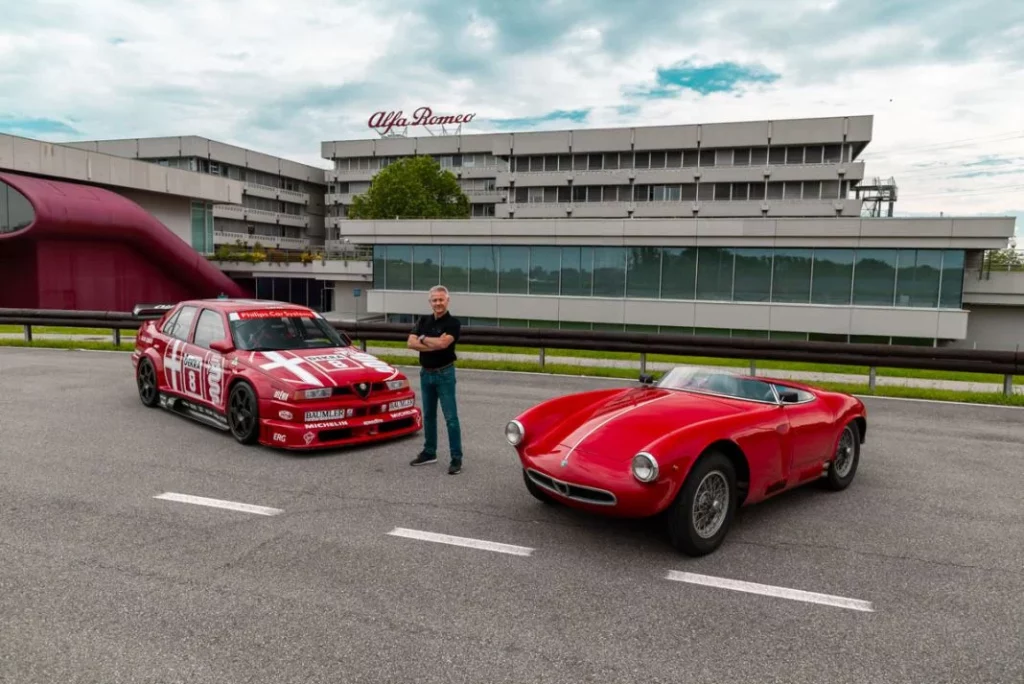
339 432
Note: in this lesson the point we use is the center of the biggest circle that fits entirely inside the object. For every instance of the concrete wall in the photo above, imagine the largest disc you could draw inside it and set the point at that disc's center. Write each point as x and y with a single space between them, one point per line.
834 320
993 327
172 211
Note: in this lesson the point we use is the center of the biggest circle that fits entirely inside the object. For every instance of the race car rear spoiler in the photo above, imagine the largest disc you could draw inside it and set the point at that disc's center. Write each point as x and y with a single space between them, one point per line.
147 311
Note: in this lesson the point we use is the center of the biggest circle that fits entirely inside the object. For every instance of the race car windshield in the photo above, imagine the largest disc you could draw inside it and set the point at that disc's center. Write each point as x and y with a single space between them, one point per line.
283 331
723 383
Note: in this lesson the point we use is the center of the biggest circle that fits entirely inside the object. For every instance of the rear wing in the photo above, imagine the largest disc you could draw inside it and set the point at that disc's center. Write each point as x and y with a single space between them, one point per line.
151 311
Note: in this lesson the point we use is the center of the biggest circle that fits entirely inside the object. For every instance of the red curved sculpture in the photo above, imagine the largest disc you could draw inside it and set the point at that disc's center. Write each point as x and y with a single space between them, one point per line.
92 249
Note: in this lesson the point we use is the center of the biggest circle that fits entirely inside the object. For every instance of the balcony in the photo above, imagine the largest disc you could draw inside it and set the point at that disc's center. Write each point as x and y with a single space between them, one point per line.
338 262
270 192
231 211
221 237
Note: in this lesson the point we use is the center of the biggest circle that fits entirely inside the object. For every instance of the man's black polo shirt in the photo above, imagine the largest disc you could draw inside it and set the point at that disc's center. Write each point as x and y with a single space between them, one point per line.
432 326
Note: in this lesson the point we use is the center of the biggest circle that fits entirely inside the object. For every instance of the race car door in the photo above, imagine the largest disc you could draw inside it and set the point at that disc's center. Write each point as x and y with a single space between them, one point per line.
811 430
178 329
202 368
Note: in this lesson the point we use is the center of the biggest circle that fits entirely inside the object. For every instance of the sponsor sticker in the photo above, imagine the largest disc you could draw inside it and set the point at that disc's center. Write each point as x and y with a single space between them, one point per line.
327 424
280 395
278 437
271 313
330 414
308 438
401 404
285 415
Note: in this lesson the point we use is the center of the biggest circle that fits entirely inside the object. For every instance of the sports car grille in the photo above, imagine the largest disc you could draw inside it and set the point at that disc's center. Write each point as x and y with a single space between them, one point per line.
569 490
349 390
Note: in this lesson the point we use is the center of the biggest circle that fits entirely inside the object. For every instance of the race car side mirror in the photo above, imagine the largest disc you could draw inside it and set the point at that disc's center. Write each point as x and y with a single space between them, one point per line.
646 379
222 346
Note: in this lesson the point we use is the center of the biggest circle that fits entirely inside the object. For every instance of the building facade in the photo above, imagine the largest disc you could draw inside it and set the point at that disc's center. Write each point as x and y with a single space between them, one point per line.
734 229
282 204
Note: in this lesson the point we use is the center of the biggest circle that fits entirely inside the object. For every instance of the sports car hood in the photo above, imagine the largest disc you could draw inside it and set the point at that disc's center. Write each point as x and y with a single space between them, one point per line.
309 368
626 423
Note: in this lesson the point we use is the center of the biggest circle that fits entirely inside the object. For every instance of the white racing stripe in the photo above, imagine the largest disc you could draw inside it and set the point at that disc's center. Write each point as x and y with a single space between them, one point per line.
461 541
218 503
769 590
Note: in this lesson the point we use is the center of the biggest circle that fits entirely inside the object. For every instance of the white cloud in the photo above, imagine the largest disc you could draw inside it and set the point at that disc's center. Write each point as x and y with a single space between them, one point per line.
282 77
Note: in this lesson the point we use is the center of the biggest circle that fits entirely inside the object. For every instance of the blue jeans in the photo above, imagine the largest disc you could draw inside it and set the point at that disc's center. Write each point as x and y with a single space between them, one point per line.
435 386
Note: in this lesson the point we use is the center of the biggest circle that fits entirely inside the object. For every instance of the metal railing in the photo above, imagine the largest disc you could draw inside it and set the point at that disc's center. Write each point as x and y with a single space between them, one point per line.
872 356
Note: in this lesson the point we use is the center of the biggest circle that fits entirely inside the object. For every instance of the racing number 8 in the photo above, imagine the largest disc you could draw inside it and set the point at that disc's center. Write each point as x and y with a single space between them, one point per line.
192 381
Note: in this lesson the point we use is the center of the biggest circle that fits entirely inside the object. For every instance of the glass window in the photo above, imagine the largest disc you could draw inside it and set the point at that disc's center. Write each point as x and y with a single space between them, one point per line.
545 267
209 329
455 267
426 266
917 277
678 272
380 257
714 273
483 268
609 272
753 281
278 330
577 271
791 276
643 271
874 277
514 263
399 268
16 213
182 324
951 290
833 276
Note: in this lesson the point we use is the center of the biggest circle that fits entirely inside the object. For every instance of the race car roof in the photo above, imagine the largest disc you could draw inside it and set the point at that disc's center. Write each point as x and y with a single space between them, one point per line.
239 305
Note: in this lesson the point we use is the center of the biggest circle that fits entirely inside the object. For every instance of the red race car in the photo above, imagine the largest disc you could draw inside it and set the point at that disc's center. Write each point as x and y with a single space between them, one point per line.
270 373
696 446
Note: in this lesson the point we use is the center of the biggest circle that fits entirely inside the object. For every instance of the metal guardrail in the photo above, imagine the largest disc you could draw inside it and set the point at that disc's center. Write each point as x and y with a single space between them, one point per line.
872 356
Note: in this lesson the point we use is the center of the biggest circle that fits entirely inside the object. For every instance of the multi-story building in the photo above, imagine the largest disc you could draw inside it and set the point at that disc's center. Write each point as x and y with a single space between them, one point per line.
750 229
283 203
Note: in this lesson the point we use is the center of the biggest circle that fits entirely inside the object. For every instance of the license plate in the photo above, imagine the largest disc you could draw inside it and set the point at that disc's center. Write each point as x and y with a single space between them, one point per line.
399 405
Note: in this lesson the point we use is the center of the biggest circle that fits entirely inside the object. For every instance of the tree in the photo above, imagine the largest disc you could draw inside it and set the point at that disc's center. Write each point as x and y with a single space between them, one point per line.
414 187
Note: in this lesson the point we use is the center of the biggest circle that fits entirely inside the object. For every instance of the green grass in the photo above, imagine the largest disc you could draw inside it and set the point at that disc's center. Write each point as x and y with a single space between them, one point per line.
988 398
52 330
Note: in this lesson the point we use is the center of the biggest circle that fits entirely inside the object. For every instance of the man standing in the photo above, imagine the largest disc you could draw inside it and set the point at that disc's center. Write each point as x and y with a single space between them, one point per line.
434 337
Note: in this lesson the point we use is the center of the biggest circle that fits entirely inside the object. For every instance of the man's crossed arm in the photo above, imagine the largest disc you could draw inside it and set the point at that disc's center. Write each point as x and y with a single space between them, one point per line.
423 343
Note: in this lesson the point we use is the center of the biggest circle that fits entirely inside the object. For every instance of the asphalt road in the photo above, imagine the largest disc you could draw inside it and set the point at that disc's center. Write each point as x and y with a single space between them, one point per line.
102 582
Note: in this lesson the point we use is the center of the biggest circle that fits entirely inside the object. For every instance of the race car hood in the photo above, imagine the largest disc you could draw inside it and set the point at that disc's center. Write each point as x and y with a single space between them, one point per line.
312 368
617 428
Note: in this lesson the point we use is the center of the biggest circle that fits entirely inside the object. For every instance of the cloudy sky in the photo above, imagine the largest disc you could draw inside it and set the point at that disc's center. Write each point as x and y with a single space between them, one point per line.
944 80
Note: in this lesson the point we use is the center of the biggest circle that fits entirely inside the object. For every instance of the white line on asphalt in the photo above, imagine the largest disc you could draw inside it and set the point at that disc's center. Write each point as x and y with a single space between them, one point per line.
218 503
769 590
461 541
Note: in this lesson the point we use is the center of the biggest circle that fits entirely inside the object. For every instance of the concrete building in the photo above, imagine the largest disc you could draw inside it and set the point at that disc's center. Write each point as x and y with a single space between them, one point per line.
282 203
735 229
85 230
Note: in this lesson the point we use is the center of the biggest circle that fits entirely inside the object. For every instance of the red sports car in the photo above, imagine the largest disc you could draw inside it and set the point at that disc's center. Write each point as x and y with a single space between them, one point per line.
270 373
695 446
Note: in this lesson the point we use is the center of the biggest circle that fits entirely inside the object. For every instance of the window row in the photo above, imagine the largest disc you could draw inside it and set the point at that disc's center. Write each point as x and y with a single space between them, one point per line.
686 192
15 211
861 277
481 160
679 159
410 319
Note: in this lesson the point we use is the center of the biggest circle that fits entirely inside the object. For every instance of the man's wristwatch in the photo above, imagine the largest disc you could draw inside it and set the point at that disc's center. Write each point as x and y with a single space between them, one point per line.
421 338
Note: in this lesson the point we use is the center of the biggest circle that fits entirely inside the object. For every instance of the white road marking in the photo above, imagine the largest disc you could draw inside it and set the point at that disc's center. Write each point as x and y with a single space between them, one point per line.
461 541
218 503
769 590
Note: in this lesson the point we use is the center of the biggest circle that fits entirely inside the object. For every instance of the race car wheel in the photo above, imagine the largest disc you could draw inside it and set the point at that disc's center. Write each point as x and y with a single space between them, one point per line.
537 492
702 513
243 413
145 377
844 462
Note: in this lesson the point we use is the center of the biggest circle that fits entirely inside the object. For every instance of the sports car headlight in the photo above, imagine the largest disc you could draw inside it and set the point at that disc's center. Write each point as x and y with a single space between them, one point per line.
316 393
397 384
514 432
645 468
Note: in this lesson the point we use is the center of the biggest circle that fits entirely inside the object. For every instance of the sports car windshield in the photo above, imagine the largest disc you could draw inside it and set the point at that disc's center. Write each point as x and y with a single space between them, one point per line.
723 383
281 330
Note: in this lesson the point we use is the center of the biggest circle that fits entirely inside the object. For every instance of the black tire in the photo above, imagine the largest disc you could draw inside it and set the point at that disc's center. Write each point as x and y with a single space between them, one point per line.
712 470
243 413
537 492
843 466
145 380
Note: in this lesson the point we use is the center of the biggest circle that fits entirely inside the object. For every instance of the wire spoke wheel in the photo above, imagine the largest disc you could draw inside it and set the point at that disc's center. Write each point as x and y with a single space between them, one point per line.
844 453
710 504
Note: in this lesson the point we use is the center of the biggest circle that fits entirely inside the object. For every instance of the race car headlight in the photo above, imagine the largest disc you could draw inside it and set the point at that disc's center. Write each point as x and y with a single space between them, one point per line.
397 384
514 432
316 393
645 468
